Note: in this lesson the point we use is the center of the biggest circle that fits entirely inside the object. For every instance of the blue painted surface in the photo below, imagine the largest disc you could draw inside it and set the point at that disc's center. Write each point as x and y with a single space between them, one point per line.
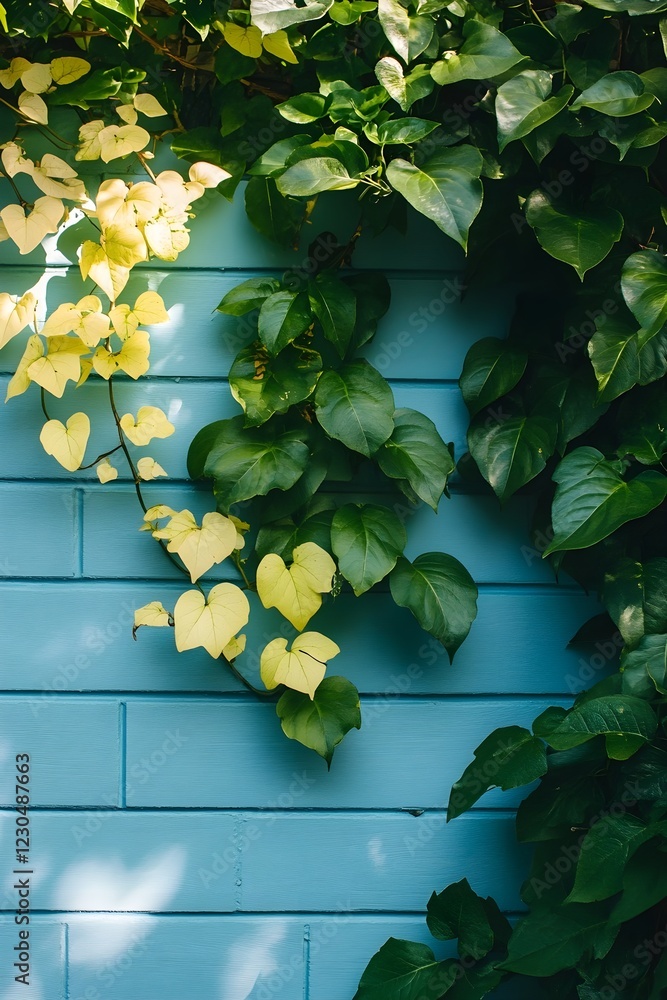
181 845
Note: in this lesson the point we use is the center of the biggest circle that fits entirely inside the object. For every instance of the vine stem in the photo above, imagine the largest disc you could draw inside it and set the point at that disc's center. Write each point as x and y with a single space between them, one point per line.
18 194
42 397
246 683
105 454
137 480
239 565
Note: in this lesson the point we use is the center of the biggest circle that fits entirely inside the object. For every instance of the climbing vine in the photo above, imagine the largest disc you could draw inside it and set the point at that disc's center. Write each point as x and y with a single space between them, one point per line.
531 135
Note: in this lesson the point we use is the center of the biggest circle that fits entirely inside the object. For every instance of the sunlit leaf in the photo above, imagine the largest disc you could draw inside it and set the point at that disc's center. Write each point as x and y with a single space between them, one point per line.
210 621
300 668
296 591
66 443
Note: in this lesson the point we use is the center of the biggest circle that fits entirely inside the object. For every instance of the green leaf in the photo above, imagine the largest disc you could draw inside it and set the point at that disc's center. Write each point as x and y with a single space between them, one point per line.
592 499
644 669
277 217
335 305
284 316
355 405
248 295
405 970
581 239
644 286
485 53
272 15
622 358
373 295
569 399
247 462
458 912
508 758
272 162
644 885
405 130
304 108
440 593
265 385
553 938
232 65
408 35
635 596
522 105
99 85
446 188
322 723
491 369
349 11
314 175
416 455
366 540
604 853
617 714
511 452
642 425
616 94
405 90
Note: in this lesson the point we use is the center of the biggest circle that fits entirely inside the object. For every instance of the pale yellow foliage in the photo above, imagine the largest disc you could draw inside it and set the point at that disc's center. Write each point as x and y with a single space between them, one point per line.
303 667
210 623
151 423
296 591
66 443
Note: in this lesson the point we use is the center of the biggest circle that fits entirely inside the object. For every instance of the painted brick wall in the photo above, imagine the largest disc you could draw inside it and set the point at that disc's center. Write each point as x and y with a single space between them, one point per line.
181 845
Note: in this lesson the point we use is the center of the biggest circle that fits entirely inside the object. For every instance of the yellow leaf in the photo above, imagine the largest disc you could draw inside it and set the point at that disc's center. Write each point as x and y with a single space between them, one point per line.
148 310
199 548
71 5
68 443
89 138
85 319
148 469
296 592
303 667
127 113
234 647
15 314
33 108
9 76
62 364
210 623
248 41
151 423
241 528
131 359
178 195
153 614
106 472
277 43
15 161
124 245
56 178
86 369
68 69
207 174
149 106
95 263
29 231
37 78
165 239
158 513
120 140
20 381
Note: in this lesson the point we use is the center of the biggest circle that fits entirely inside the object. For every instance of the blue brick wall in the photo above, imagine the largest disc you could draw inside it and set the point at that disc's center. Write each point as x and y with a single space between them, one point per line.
182 846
